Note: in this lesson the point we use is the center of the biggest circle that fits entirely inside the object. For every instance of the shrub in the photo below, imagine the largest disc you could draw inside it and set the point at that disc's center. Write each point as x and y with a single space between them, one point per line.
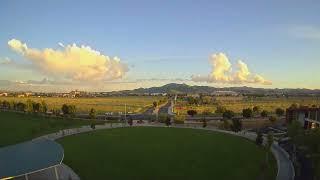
279 112
192 112
264 113
247 113
228 114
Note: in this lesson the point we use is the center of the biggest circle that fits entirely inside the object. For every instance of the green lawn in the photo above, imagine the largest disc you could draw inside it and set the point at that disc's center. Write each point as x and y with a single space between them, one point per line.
17 127
145 153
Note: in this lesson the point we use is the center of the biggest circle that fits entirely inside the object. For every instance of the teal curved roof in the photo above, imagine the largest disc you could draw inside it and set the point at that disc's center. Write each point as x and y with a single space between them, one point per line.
28 157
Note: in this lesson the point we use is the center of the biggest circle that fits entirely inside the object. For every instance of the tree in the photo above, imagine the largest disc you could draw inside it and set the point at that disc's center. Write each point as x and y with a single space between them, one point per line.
269 144
29 105
44 106
21 107
6 104
68 110
130 120
294 105
236 125
65 109
92 113
192 112
264 113
226 124
168 121
228 114
36 107
247 113
206 99
259 138
72 110
279 112
272 119
155 104
204 122
220 109
256 109
192 100
93 126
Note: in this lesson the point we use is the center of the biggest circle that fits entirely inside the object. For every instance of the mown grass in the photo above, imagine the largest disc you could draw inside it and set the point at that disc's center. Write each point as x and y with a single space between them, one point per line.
19 127
164 153
135 104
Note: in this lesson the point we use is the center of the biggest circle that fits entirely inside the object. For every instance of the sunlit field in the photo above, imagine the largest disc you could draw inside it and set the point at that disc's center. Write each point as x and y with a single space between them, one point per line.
236 105
135 104
164 153
19 127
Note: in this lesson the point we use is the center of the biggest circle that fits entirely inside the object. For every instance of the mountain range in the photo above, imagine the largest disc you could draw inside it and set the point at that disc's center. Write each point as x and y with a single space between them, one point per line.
174 88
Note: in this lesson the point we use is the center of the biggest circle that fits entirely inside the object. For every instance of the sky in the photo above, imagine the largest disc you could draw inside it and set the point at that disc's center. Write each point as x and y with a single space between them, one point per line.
114 45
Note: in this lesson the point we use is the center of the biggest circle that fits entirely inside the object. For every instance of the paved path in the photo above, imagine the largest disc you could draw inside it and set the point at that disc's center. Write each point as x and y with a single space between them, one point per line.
285 167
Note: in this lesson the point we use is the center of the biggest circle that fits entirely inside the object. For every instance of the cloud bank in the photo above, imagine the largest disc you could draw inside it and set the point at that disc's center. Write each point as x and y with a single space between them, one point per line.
222 72
77 63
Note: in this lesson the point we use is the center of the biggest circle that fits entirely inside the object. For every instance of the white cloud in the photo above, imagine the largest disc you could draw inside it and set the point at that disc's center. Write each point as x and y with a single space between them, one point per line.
222 72
78 63
61 44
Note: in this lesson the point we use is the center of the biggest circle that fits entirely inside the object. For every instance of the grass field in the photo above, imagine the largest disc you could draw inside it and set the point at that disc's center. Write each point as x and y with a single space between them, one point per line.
17 127
135 104
145 153
265 103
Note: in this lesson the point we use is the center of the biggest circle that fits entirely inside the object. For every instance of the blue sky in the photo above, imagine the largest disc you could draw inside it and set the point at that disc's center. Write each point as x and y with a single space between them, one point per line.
170 40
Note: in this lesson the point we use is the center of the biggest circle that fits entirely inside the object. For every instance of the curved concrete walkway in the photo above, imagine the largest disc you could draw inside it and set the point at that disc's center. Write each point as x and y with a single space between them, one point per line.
285 167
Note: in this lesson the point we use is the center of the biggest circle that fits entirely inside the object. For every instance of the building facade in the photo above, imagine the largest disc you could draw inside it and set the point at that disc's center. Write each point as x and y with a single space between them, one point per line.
308 117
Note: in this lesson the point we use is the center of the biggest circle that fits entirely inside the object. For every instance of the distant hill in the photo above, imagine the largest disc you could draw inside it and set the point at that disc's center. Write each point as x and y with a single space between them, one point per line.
174 88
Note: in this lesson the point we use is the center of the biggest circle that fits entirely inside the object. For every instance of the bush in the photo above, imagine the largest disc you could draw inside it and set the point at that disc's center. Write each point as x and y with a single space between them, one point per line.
256 109
247 113
279 112
236 125
168 121
192 112
226 125
92 113
264 113
228 114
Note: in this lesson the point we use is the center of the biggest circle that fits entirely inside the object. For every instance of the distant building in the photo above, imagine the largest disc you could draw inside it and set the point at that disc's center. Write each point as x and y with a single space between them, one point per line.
224 93
4 94
74 94
309 117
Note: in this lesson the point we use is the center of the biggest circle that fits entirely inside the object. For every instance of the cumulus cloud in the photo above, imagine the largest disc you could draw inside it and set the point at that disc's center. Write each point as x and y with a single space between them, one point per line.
222 72
61 44
78 63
